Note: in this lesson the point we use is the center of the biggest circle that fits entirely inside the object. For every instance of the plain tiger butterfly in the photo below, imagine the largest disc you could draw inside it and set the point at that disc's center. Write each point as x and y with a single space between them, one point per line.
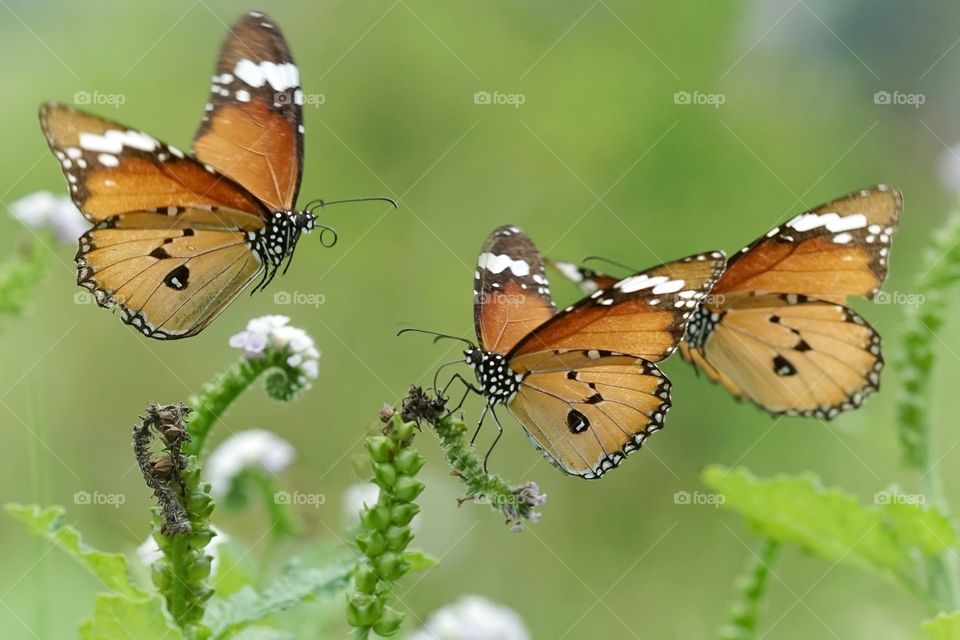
176 237
776 329
583 382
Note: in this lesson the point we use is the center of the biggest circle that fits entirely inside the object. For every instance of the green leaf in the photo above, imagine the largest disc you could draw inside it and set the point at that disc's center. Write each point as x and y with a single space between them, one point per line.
419 560
110 568
945 626
916 525
295 585
118 617
833 524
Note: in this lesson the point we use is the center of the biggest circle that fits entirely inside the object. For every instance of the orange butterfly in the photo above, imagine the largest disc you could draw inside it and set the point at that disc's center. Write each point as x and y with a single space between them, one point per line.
776 329
176 238
583 382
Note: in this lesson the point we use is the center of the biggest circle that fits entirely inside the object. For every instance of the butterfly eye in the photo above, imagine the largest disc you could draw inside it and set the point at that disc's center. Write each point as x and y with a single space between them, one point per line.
577 422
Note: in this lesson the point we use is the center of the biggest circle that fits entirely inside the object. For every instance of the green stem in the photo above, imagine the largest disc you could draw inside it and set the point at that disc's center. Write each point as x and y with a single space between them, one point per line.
517 503
751 585
283 384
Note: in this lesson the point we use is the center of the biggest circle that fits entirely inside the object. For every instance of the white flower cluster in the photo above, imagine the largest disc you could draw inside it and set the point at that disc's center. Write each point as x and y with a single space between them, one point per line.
275 332
473 618
252 449
43 210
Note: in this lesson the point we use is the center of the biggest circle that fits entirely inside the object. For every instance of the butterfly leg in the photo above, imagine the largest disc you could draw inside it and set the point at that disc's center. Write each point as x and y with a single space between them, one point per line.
468 387
483 414
486 458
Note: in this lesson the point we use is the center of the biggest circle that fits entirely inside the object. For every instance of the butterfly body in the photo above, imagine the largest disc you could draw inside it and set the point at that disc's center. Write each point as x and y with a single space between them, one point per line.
177 236
498 381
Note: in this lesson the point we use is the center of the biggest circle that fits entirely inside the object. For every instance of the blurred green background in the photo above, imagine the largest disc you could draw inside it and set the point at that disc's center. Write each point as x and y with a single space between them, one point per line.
599 159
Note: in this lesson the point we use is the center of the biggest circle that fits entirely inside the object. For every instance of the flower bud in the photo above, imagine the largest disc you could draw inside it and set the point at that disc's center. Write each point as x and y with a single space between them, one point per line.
365 579
409 461
372 543
402 514
376 518
380 448
391 566
407 488
363 610
385 473
398 538
389 622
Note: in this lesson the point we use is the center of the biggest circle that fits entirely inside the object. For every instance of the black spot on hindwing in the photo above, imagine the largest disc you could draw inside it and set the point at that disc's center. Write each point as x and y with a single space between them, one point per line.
577 422
178 278
782 367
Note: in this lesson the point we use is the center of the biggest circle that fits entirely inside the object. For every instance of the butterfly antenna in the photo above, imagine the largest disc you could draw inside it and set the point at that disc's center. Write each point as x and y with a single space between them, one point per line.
437 336
328 235
610 262
320 204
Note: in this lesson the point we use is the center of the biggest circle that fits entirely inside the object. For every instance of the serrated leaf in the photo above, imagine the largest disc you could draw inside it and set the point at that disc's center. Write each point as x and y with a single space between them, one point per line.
110 568
832 524
945 626
295 585
118 617
420 560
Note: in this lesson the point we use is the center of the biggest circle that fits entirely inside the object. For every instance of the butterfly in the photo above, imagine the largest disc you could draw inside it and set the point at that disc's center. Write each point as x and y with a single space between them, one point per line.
776 329
175 237
582 382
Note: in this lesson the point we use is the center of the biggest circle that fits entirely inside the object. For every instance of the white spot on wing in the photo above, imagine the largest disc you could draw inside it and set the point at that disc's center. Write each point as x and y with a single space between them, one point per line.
497 263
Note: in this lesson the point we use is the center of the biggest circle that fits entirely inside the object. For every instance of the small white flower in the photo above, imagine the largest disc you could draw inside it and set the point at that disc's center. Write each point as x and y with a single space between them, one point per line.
275 332
256 448
149 552
473 618
58 213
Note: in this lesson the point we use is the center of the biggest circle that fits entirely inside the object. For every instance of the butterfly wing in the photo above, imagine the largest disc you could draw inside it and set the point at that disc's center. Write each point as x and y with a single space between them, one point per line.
777 332
836 250
511 295
113 170
169 283
252 130
789 354
590 393
172 240
643 315
586 414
